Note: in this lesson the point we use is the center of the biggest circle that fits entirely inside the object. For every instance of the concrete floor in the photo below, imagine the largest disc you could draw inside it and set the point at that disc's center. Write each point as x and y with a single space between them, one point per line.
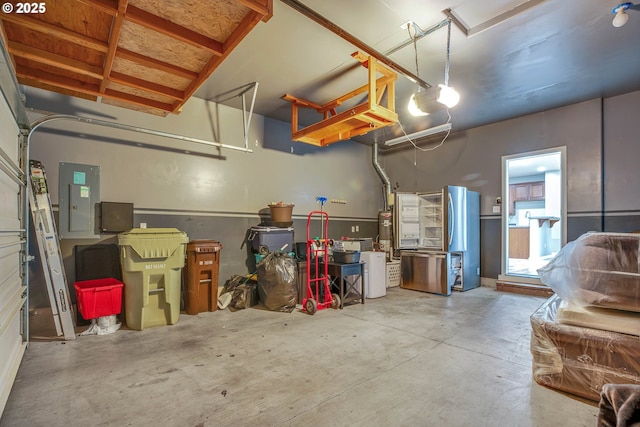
409 358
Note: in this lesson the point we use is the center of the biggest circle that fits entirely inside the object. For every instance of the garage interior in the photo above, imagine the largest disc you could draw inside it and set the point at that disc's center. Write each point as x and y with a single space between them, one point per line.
199 116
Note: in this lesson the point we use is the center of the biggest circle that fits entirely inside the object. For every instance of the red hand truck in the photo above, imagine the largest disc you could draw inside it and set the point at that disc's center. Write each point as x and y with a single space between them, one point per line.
319 294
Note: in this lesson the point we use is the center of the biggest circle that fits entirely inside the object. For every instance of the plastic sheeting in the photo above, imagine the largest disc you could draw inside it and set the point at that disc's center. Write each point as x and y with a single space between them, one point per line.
277 279
601 269
104 325
580 360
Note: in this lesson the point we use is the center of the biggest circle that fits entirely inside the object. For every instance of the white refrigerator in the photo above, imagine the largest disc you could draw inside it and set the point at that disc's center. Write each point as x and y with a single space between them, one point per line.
375 273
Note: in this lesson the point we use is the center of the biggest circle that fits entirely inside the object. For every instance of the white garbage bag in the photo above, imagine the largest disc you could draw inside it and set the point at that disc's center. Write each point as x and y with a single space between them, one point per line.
102 326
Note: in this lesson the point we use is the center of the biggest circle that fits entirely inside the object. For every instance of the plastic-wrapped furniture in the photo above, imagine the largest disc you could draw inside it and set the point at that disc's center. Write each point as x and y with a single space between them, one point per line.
580 360
600 269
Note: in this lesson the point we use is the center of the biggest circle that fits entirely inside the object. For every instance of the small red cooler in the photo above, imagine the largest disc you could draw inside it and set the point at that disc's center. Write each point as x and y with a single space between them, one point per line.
99 297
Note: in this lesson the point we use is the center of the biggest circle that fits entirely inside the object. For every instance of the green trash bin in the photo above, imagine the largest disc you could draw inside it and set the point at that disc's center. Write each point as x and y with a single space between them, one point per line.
152 261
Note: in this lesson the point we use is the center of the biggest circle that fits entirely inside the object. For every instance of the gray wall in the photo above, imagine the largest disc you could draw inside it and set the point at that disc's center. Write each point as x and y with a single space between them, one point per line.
208 194
473 158
621 170
220 198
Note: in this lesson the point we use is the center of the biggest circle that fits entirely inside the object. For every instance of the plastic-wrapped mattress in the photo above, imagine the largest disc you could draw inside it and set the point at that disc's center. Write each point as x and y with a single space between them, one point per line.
580 360
601 269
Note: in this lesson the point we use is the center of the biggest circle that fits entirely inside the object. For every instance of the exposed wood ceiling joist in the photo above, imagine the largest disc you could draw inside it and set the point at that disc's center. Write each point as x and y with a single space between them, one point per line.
148 55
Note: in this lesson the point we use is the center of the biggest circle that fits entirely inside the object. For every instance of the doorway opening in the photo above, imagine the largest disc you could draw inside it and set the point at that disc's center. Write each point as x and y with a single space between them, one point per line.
533 213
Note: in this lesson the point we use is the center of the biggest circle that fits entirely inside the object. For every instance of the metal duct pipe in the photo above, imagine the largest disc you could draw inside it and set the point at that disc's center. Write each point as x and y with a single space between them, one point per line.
383 176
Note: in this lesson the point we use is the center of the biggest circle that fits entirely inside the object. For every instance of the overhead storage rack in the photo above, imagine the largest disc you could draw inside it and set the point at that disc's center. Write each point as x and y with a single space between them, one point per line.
147 55
354 121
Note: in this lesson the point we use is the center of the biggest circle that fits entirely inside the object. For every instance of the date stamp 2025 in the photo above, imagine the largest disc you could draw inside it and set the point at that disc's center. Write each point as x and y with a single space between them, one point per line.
24 8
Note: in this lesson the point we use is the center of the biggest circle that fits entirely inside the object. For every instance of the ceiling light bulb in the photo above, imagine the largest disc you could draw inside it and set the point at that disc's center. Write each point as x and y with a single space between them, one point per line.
413 107
448 96
621 16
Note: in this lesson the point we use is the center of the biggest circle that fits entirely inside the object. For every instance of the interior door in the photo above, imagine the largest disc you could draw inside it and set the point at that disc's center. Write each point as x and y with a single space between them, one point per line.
534 214
13 289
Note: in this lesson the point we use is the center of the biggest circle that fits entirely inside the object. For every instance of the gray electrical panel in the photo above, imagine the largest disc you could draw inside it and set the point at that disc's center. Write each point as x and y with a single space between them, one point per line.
78 198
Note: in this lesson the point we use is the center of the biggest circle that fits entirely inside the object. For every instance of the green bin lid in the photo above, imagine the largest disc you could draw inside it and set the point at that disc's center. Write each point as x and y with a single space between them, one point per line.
145 231
153 242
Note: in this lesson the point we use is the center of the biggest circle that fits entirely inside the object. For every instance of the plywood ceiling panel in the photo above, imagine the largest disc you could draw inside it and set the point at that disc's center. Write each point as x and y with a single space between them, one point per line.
153 75
77 17
149 55
37 68
52 88
139 39
195 15
140 93
37 41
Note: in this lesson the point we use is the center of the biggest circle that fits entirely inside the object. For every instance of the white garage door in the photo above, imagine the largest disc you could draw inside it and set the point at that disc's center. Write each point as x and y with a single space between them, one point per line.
13 289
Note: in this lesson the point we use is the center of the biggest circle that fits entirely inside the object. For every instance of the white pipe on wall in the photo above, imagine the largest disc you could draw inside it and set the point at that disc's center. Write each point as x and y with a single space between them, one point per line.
43 120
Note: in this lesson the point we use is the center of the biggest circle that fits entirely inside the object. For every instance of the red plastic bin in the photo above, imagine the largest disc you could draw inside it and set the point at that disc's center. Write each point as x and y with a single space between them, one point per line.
99 297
